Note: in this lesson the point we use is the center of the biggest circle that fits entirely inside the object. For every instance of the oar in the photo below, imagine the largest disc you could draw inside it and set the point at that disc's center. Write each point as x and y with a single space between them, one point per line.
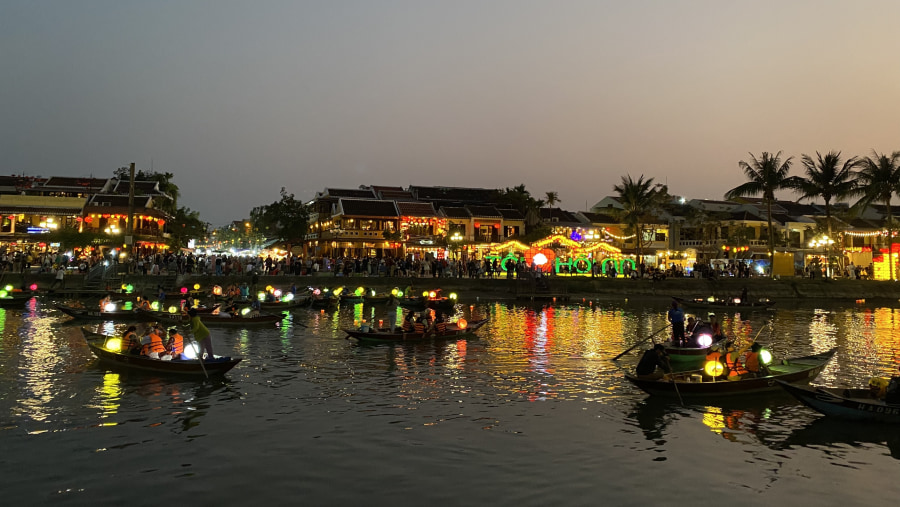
199 354
675 384
640 342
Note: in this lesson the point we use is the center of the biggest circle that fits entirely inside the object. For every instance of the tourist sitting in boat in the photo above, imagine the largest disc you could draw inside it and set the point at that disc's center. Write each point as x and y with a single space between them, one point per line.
408 322
130 342
175 345
691 324
145 305
654 364
105 302
152 343
753 364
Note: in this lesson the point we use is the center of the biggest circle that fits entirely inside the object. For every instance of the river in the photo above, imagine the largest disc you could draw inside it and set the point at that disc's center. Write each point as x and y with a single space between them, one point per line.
533 411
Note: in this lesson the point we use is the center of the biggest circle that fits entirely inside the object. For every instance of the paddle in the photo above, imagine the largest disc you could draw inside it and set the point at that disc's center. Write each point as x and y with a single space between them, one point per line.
199 355
675 384
629 349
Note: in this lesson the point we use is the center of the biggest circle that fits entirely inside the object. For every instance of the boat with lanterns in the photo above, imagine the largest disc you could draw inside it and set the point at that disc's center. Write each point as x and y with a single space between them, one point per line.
459 329
323 298
714 381
723 304
112 311
108 350
431 299
10 298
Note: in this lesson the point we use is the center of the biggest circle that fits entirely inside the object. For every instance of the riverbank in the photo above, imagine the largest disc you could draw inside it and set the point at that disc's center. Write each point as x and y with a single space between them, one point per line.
502 288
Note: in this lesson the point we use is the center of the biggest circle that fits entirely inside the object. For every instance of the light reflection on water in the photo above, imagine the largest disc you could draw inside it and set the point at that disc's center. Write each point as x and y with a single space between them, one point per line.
538 384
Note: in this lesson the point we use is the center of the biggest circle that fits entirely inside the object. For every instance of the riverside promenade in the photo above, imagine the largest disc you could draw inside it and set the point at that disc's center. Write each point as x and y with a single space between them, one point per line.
575 287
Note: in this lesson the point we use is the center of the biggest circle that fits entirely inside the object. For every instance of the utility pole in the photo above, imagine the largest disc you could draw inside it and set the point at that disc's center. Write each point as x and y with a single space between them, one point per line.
129 229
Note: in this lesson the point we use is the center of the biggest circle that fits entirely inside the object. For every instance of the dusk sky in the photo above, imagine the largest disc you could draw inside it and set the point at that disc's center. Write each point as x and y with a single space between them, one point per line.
239 99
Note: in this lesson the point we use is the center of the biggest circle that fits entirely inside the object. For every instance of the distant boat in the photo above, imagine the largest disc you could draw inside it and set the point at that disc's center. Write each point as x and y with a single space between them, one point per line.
852 404
735 304
384 335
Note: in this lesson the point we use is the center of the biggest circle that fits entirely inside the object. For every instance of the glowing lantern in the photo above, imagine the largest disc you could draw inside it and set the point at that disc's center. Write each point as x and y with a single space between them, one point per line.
173 309
8 288
461 323
765 356
432 294
277 293
245 310
288 297
154 306
394 291
711 299
129 288
184 290
425 294
114 344
714 368
217 290
373 292
190 351
269 288
316 292
737 301
196 286
110 307
3 293
261 296
399 293
33 286
704 340
359 291
337 292
452 295
123 286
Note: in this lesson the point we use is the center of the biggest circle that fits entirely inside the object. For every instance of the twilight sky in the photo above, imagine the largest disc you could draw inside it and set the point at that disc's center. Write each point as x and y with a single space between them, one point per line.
239 99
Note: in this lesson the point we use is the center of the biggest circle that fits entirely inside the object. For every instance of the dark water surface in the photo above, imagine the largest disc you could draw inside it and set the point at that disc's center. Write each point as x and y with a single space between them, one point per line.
531 412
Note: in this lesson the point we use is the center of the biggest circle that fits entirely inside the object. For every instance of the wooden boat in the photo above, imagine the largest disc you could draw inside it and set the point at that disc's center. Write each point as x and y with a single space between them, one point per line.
276 306
15 301
97 343
384 335
262 320
686 358
853 404
687 384
699 303
418 303
96 314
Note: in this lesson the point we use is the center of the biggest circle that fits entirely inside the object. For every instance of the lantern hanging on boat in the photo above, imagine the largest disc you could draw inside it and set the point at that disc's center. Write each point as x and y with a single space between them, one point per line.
359 291
217 290
196 286
765 357
453 295
184 290
425 294
114 344
261 296
173 309
154 306
714 368
110 307
277 293
4 294
245 311
704 340
461 323
432 294
288 297
394 291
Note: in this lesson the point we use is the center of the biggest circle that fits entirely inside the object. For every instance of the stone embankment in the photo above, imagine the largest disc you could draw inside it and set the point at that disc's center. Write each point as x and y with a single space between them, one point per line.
502 288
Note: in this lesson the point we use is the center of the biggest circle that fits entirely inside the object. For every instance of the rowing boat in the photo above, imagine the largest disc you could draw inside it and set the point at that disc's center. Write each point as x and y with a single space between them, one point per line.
91 314
384 335
685 384
98 344
853 404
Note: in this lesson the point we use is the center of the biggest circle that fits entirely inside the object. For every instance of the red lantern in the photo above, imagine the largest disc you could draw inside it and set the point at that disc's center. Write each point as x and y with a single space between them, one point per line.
161 222
88 219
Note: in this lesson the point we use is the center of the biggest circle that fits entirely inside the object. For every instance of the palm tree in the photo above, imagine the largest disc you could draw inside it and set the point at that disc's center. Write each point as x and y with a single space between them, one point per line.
878 181
827 178
551 198
767 175
639 200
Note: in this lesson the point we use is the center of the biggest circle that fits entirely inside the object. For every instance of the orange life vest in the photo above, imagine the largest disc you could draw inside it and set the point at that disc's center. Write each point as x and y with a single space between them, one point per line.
407 325
733 362
155 345
129 342
441 327
752 362
176 344
419 327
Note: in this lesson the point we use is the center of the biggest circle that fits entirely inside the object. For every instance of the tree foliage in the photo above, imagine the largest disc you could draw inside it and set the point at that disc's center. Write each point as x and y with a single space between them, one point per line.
166 186
520 199
766 175
185 226
285 219
640 199
878 181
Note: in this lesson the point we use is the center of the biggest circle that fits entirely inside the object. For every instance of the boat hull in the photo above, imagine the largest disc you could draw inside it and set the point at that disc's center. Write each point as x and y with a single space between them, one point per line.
217 366
87 314
384 335
844 403
798 369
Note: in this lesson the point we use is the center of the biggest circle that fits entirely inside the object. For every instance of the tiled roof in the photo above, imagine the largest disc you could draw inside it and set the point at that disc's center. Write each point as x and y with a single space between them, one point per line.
397 195
599 218
101 200
85 183
367 208
140 187
359 193
560 215
484 212
455 212
456 194
416 209
510 214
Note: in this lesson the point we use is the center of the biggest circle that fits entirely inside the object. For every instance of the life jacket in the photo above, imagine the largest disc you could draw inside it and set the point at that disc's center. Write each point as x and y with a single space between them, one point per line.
155 345
407 325
176 345
129 343
145 304
419 327
733 363
441 327
752 362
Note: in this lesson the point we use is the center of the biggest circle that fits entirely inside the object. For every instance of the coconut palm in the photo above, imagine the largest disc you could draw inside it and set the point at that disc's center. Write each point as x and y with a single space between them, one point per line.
551 198
766 174
878 181
639 200
826 178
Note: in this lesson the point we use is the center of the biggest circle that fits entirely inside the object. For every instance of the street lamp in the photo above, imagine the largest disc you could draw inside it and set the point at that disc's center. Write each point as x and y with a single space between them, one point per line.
824 242
455 238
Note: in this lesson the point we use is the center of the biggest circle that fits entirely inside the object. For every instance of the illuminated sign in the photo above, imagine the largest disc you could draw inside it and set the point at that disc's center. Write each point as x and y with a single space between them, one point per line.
37 230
